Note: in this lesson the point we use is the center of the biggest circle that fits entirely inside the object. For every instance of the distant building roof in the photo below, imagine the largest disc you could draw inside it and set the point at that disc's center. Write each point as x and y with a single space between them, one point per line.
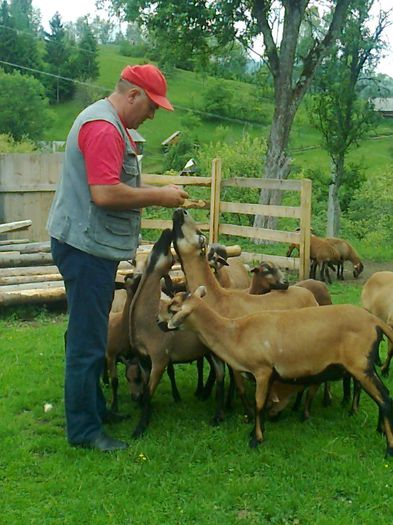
170 138
383 104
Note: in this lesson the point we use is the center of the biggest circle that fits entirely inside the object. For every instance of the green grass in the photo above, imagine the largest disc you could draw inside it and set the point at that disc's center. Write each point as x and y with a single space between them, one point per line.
329 470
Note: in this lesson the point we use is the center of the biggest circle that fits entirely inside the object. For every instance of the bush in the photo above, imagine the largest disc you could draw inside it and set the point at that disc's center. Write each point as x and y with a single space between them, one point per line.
243 158
129 49
370 212
9 145
86 95
179 153
24 109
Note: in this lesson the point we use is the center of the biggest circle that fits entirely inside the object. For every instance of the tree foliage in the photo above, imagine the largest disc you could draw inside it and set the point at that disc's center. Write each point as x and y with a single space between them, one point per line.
87 58
337 109
28 115
18 36
58 56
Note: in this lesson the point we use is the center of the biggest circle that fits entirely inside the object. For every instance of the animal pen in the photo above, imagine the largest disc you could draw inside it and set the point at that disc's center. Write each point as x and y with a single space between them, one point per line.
27 185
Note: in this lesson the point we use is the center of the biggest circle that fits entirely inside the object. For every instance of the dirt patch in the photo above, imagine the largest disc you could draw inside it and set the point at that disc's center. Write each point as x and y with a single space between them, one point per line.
370 267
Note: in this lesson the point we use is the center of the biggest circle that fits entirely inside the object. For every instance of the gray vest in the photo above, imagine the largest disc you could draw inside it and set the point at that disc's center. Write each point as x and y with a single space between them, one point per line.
74 218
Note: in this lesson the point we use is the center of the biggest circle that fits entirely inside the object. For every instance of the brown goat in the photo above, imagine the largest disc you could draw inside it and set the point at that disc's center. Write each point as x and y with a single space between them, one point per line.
158 349
377 298
304 345
118 344
190 246
347 253
230 272
322 255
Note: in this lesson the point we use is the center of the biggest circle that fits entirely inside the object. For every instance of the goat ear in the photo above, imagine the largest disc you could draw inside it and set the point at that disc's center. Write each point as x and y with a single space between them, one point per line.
200 291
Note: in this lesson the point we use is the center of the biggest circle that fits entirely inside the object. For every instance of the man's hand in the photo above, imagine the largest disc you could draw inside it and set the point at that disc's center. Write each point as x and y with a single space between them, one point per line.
172 196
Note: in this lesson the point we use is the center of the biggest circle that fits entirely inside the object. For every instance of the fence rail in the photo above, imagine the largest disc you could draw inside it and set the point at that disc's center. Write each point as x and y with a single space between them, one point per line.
28 182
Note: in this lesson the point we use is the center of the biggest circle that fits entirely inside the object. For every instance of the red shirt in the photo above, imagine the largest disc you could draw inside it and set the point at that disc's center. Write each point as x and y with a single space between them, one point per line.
102 147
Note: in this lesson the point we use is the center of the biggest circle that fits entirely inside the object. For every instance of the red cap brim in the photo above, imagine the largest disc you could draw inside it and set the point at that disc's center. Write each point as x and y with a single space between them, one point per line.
161 101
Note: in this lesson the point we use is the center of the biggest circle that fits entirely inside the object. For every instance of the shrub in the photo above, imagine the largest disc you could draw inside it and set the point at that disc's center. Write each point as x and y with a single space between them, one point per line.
370 212
24 109
9 145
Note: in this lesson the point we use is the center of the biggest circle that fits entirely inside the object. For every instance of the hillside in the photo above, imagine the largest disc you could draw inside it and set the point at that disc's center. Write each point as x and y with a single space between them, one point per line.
186 91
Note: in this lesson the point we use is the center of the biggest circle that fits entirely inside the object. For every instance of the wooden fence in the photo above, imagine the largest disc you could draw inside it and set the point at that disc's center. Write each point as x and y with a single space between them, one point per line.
28 182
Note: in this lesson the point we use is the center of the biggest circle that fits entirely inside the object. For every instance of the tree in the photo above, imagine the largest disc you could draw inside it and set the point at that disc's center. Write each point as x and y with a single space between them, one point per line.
337 109
18 37
59 59
189 24
24 109
86 61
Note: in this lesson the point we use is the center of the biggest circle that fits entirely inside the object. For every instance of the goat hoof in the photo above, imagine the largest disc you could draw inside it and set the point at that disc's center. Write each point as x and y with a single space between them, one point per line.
254 443
327 402
385 372
215 422
304 417
138 433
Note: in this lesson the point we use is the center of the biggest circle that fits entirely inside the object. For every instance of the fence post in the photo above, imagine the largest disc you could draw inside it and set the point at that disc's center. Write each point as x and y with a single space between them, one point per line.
215 201
305 229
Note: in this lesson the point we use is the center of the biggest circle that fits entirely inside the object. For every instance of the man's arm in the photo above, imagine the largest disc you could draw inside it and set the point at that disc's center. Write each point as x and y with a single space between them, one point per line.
123 197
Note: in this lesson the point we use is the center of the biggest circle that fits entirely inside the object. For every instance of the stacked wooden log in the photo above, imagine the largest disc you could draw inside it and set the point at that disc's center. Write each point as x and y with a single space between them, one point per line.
28 275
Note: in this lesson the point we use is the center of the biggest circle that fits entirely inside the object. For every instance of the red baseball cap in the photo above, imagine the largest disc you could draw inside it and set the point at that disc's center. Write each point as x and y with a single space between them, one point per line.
151 80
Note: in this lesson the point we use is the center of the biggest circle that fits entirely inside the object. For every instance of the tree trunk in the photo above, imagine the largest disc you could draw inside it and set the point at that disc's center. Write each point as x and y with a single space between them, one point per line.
334 209
277 164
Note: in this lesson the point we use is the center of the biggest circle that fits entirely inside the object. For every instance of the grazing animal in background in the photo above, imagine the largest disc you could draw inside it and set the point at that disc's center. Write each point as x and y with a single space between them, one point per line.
377 298
304 345
322 255
347 253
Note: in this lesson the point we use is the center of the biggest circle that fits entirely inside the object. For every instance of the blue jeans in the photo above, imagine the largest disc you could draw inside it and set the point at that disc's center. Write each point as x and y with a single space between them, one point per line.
89 283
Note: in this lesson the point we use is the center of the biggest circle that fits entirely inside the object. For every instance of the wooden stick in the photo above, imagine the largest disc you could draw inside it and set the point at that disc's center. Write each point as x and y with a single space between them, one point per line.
29 247
22 279
13 241
14 226
25 259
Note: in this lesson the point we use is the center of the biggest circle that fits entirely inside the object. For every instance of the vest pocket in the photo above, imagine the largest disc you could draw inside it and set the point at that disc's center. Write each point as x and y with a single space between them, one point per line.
118 230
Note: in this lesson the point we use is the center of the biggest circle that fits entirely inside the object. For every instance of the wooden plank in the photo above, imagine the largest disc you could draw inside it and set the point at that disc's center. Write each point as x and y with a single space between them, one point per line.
27 188
305 229
13 241
259 233
47 295
30 286
162 180
22 279
25 259
29 247
290 263
270 184
215 201
161 224
261 209
15 226
28 270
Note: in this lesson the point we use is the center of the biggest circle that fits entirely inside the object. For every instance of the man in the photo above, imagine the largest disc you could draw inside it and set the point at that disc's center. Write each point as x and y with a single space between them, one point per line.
94 223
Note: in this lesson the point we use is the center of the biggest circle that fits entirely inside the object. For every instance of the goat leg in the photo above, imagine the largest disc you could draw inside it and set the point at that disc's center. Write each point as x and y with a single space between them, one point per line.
171 374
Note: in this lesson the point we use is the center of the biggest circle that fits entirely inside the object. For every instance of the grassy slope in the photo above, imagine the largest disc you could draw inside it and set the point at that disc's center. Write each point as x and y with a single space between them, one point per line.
329 470
186 89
